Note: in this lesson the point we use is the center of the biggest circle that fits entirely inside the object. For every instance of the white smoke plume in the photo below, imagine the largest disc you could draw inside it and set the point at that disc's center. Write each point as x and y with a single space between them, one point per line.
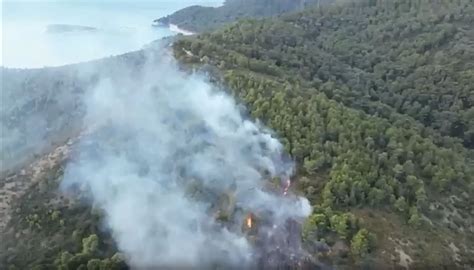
165 148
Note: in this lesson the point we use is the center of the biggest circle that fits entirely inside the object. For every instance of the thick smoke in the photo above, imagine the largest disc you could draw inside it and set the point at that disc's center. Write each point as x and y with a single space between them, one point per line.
166 153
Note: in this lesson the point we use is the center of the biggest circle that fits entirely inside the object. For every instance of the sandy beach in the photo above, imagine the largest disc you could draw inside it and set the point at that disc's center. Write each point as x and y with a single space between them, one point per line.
176 29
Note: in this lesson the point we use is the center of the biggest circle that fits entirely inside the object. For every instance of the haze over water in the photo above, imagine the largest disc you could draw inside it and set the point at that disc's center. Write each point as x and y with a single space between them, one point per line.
120 27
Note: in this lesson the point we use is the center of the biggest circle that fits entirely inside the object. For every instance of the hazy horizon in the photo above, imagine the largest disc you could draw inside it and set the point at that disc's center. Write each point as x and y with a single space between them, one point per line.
121 27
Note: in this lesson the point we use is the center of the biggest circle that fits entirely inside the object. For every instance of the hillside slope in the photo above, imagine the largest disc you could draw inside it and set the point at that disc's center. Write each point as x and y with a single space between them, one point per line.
200 19
375 102
52 218
41 226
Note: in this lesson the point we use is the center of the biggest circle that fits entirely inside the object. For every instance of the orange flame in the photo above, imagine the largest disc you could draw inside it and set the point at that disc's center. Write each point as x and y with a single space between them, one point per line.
249 222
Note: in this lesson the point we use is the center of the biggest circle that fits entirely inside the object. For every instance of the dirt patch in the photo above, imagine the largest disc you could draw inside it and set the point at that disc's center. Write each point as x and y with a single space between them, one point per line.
405 259
455 250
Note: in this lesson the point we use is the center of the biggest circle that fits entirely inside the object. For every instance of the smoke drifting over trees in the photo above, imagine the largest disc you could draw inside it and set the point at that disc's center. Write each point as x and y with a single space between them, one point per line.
164 149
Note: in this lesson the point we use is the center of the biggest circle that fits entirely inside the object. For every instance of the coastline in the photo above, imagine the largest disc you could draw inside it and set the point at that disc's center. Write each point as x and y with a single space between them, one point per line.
176 29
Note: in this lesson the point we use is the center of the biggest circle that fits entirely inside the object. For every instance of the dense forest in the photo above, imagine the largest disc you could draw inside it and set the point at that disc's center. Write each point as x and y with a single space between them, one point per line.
200 19
374 100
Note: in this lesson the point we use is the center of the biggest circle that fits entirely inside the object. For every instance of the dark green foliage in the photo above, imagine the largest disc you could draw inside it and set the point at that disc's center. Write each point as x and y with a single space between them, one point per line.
335 103
373 99
48 231
386 60
362 243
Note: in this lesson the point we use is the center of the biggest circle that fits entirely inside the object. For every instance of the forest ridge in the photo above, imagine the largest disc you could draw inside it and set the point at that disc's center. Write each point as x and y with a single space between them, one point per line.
200 18
374 100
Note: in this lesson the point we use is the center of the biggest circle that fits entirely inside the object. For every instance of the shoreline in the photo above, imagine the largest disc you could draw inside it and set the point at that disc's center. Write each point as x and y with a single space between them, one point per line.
176 29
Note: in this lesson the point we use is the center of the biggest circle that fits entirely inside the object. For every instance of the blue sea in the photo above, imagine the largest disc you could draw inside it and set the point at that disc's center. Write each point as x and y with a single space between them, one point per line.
119 27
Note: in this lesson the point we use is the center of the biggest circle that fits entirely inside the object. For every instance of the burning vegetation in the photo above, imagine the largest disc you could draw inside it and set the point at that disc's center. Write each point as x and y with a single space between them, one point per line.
249 221
277 244
197 177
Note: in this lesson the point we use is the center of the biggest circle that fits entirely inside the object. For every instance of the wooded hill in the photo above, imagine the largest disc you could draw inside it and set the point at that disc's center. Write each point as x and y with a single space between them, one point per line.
374 99
201 19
